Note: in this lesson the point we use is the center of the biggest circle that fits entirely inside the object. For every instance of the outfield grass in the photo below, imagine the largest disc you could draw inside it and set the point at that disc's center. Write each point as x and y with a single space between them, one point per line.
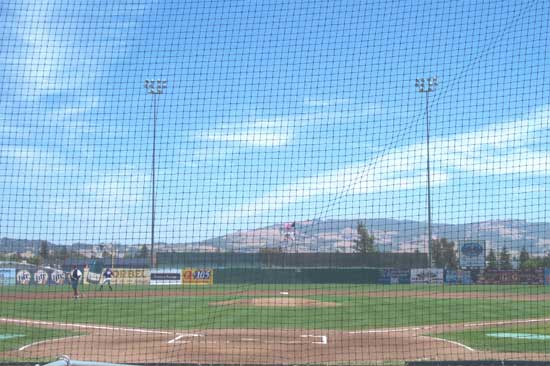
350 312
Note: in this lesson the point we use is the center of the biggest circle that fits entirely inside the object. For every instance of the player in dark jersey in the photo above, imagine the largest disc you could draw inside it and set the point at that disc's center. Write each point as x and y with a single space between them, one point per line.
107 276
76 274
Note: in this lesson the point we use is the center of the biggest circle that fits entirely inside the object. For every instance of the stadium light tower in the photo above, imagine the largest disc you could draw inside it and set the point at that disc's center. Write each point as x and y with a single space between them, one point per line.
154 87
427 86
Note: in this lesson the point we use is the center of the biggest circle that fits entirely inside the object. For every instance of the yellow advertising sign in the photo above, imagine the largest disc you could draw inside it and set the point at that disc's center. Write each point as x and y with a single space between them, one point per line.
197 276
131 276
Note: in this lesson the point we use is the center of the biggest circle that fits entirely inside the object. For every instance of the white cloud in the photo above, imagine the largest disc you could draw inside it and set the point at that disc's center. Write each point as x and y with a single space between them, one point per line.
42 53
497 149
351 180
259 133
327 102
85 105
46 57
28 161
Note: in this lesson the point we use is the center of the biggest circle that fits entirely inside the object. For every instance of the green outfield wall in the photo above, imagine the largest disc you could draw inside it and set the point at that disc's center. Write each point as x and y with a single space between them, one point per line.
291 260
296 275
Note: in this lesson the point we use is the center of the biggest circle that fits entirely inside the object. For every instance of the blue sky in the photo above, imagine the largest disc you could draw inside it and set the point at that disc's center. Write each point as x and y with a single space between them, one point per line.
275 111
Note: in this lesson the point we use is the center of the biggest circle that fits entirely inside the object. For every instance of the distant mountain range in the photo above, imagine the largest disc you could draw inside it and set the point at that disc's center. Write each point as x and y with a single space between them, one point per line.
390 236
339 235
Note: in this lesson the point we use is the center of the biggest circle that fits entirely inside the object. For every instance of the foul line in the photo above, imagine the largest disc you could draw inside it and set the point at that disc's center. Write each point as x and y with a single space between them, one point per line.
465 325
83 326
323 339
451 342
45 341
504 322
180 336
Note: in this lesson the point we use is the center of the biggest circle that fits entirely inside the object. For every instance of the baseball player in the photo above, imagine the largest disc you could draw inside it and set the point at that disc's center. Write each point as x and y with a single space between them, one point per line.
76 275
107 276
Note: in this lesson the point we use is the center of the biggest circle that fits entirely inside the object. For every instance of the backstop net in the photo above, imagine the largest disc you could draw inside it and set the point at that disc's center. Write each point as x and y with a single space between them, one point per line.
274 182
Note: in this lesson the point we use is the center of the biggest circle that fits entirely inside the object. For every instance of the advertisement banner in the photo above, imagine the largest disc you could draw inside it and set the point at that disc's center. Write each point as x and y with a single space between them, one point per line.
472 254
458 277
7 276
196 276
23 277
451 277
427 275
513 277
41 277
395 276
131 276
467 278
166 277
547 276
58 277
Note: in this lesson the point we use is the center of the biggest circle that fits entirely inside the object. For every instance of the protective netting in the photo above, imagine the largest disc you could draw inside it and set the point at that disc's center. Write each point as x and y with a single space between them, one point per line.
274 182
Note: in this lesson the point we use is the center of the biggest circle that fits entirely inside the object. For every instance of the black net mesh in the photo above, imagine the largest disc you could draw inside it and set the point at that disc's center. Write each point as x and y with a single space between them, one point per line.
274 182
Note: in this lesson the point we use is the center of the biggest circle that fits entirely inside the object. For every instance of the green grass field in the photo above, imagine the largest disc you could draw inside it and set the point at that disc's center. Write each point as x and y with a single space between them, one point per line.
516 338
351 311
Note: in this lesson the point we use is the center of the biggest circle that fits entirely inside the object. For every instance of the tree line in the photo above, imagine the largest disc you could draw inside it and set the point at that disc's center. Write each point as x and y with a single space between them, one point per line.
57 255
444 253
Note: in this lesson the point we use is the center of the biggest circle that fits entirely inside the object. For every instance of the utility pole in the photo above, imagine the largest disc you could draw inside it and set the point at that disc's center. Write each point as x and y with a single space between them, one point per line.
427 86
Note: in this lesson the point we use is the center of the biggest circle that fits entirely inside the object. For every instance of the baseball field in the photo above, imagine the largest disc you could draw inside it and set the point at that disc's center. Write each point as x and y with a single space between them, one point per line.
276 324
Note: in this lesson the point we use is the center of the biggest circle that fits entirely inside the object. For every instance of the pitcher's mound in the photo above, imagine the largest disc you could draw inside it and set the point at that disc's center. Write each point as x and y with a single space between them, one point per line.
276 301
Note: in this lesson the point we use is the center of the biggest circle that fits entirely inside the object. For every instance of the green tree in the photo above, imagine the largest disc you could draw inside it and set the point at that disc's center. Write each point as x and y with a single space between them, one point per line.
504 260
58 255
492 260
16 257
44 251
533 263
271 250
523 258
143 252
36 260
365 243
63 253
444 254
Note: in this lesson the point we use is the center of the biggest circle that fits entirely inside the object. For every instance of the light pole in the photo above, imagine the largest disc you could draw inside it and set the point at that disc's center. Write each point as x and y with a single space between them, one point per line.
427 86
154 87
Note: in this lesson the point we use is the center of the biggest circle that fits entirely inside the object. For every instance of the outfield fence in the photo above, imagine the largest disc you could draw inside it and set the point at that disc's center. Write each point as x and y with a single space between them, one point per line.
39 276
